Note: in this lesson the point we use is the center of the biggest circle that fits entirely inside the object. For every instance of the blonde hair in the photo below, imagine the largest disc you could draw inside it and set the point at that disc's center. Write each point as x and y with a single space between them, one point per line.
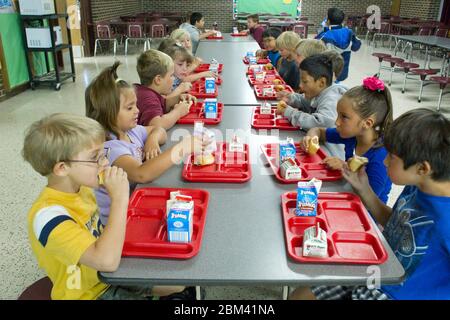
310 47
59 137
179 34
288 40
152 63
175 50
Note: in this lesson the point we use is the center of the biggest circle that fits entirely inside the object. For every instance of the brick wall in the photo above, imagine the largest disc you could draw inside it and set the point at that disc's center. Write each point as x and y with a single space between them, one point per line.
212 10
425 9
221 10
107 9
316 11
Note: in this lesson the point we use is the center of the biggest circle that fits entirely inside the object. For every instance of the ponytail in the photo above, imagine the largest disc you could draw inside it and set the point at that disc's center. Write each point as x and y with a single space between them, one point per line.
102 98
373 98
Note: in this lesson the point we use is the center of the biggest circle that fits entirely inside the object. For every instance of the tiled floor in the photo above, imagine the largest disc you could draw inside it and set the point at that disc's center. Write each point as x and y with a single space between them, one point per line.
20 184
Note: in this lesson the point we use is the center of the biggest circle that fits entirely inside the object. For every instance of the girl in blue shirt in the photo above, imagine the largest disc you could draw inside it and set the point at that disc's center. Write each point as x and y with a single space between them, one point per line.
364 115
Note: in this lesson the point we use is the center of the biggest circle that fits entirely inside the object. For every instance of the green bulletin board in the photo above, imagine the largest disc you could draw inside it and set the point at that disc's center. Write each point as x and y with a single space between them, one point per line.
268 6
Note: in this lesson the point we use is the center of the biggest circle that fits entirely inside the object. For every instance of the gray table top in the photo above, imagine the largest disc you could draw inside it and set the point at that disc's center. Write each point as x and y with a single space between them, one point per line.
243 240
432 41
235 89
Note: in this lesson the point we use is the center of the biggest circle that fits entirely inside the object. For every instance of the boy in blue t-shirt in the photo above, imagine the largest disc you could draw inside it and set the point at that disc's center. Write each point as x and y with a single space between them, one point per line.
339 38
417 227
271 52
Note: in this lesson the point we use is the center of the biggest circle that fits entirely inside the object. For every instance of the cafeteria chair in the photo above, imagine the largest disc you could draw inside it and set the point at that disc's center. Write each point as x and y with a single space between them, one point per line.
301 29
136 34
443 81
104 34
40 290
381 56
384 31
158 31
441 32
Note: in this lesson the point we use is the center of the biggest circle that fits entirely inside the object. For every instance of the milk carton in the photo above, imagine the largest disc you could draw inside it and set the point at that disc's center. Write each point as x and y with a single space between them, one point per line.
290 170
180 219
171 200
266 108
210 85
315 242
210 107
218 34
235 30
307 194
250 54
214 66
252 60
287 149
260 76
268 91
256 68
236 145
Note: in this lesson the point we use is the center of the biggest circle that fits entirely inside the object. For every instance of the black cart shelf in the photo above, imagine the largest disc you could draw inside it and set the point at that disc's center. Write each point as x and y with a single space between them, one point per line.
54 77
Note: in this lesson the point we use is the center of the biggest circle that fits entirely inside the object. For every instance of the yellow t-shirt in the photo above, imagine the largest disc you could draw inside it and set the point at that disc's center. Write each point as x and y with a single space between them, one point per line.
61 226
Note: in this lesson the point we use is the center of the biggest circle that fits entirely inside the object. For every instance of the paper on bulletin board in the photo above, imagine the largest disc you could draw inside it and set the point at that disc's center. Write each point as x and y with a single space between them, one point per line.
7 6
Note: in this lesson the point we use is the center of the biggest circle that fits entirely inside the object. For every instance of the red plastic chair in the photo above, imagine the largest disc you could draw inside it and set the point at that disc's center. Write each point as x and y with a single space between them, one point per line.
423 74
158 31
441 32
381 57
301 29
407 66
104 34
136 33
40 290
393 61
442 81
385 30
425 31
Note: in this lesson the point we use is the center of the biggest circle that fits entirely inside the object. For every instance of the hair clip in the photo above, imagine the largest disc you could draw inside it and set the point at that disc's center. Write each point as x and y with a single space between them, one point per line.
373 84
118 80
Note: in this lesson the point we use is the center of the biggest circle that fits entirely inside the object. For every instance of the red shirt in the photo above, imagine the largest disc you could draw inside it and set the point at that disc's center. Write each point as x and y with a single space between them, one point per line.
257 34
150 104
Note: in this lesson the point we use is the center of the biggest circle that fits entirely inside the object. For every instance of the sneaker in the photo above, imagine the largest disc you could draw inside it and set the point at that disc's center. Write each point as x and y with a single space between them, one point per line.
187 294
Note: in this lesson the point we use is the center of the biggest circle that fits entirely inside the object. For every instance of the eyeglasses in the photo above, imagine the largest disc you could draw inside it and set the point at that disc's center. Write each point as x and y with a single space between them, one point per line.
104 156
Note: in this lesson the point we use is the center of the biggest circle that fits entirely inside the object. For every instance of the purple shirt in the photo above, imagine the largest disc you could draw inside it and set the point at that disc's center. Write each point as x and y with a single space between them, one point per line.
118 148
257 34
150 104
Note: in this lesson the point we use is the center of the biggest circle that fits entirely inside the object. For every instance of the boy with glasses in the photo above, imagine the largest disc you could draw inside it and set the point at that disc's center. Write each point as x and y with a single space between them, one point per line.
65 232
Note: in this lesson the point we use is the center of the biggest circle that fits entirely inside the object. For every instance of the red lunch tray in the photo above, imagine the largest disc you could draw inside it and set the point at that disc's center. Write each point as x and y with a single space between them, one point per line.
351 237
146 233
205 67
311 165
229 167
271 71
269 121
198 90
214 38
259 91
196 113
268 79
238 34
258 61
